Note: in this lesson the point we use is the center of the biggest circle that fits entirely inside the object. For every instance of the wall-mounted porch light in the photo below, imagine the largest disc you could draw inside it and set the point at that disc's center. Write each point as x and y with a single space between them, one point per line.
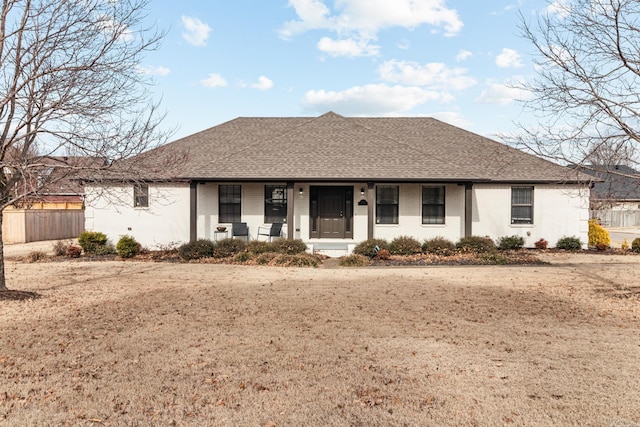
300 191
362 191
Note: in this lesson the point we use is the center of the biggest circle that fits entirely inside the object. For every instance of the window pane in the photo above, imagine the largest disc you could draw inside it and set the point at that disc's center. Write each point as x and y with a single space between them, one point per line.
275 203
141 196
229 207
433 205
522 205
387 204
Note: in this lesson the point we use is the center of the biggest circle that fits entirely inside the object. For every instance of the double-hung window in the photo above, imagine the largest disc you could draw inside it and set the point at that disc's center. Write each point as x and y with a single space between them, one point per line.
433 205
229 206
141 196
387 204
275 203
521 205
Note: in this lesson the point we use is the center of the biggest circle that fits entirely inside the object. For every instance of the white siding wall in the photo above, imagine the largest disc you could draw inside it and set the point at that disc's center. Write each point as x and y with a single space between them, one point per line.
558 211
166 219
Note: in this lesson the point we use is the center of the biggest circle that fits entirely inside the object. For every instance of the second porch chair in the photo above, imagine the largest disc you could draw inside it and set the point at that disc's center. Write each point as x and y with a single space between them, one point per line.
270 232
240 229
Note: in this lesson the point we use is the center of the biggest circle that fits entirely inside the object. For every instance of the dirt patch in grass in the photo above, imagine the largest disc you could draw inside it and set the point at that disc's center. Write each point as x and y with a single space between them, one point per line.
139 343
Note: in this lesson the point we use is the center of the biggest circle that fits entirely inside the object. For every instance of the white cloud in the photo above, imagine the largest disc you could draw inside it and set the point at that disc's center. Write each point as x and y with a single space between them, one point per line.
264 83
213 81
509 58
154 71
463 55
561 8
196 32
451 117
363 19
502 93
371 99
434 74
348 47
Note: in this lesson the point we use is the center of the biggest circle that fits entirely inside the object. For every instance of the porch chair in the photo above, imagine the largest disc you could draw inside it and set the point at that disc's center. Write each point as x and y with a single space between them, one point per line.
270 232
240 229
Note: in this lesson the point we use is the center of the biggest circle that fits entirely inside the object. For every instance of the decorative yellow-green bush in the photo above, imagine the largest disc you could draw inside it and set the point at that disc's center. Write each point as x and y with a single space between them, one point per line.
598 235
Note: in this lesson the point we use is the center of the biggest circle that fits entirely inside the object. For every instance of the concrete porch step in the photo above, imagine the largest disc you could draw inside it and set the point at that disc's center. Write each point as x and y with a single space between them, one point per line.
331 249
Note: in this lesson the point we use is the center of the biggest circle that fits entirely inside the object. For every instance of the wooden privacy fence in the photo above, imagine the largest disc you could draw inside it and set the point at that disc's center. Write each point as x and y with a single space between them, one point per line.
34 225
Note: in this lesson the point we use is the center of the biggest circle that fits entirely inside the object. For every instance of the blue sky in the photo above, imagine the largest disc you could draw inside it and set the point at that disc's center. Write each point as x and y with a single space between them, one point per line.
447 59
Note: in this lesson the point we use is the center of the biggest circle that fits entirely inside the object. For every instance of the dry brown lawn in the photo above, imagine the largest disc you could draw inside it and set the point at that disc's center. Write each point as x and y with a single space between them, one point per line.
156 344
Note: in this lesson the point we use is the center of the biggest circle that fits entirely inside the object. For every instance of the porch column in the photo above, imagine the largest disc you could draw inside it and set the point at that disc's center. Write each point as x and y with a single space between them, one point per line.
468 208
193 211
290 207
370 209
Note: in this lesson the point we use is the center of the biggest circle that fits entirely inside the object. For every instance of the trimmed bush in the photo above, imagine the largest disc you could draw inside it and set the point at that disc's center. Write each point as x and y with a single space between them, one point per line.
91 241
383 254
541 244
438 246
259 247
127 247
107 249
355 260
476 244
74 251
569 243
228 247
624 245
405 245
294 260
289 246
201 248
243 257
368 247
510 243
635 245
598 235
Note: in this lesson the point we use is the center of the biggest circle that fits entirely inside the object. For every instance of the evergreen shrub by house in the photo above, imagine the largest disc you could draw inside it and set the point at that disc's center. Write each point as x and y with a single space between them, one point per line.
92 241
477 244
259 247
510 242
201 248
598 235
405 245
569 243
438 246
635 245
127 247
289 246
368 247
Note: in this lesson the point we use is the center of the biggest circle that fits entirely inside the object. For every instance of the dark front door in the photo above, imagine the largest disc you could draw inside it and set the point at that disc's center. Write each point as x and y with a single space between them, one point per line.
331 212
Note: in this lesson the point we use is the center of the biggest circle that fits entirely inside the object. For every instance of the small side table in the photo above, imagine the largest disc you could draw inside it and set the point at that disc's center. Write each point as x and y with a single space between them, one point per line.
219 235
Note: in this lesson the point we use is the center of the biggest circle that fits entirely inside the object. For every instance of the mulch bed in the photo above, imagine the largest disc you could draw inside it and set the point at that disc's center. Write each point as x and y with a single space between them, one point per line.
468 258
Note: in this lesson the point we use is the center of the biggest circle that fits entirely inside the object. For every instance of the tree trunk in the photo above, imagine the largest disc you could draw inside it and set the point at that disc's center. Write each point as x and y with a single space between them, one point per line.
3 283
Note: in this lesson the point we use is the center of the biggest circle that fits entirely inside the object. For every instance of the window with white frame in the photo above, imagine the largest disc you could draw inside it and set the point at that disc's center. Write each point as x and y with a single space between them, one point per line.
522 205
229 203
141 196
387 204
433 204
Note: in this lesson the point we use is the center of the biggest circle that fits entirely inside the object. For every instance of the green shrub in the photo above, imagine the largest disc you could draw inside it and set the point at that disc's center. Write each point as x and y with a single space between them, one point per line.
405 245
492 258
635 245
228 247
127 247
598 235
438 246
570 243
541 244
90 241
476 244
36 256
243 257
60 247
510 242
289 246
354 260
107 249
259 247
368 247
201 248
74 251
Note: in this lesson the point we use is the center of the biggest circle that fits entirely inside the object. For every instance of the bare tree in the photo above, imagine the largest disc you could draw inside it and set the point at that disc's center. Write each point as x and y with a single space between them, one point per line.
71 85
586 95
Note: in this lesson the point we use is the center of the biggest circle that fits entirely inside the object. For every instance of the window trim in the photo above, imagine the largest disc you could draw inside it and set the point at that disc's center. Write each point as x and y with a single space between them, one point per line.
395 218
521 220
140 196
438 220
225 218
268 194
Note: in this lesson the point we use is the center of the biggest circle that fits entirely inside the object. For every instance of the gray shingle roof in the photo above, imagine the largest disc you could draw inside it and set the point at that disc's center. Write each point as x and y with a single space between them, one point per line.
619 182
333 147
